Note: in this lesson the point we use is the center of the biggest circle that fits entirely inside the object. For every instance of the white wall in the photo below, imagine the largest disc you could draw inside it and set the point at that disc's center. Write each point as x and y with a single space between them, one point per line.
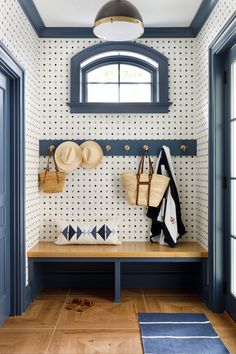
18 36
220 15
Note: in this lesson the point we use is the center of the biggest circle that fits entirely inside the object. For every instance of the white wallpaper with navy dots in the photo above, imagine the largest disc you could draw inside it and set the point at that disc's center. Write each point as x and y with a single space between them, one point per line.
220 15
95 194
18 36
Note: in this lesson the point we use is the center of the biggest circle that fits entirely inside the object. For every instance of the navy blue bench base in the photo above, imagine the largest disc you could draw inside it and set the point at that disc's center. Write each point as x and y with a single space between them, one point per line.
36 276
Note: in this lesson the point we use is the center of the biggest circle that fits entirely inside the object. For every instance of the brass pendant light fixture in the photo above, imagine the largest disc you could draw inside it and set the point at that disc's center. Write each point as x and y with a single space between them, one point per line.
118 20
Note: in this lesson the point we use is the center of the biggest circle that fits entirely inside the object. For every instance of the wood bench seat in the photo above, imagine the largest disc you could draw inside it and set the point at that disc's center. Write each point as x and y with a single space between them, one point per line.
127 252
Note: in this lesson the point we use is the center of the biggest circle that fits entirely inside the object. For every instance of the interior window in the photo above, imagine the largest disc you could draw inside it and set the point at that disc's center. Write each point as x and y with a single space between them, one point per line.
120 77
119 83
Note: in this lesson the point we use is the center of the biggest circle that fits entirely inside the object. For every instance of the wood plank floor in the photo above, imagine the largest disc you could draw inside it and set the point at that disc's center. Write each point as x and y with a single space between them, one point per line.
106 328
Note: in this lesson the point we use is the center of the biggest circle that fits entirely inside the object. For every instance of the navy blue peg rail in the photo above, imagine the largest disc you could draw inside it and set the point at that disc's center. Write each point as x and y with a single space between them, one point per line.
132 147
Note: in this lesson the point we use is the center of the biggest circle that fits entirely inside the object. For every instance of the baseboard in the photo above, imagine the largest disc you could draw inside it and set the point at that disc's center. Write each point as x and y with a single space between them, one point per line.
204 294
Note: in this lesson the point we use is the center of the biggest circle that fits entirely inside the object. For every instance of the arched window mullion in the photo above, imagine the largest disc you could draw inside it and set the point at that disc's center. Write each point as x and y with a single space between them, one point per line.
118 60
119 81
115 59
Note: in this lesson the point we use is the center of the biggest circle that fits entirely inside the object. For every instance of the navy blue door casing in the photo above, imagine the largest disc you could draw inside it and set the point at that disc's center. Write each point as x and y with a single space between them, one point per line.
230 191
4 198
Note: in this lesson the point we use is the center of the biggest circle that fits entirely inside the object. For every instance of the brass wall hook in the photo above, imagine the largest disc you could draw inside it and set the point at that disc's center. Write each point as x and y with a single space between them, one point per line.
126 147
108 148
145 148
184 147
51 148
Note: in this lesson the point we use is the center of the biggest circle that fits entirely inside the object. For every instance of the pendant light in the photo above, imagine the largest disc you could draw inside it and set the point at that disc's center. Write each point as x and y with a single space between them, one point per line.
118 20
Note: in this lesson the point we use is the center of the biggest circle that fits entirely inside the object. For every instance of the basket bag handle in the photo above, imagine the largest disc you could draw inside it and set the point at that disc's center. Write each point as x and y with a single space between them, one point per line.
51 154
138 175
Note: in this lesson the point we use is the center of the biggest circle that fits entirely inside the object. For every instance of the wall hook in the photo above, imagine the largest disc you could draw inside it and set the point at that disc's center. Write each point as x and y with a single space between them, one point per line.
51 148
132 147
184 147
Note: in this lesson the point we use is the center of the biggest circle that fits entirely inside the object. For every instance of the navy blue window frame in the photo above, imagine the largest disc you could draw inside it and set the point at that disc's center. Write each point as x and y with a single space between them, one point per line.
160 89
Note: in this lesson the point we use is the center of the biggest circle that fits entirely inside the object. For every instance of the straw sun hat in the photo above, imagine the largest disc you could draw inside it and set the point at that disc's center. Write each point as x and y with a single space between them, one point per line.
68 156
92 154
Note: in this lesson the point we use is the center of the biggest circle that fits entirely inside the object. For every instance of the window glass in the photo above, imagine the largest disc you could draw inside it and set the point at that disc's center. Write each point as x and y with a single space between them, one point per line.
119 53
233 148
135 93
131 73
233 207
102 93
119 83
233 260
106 73
233 91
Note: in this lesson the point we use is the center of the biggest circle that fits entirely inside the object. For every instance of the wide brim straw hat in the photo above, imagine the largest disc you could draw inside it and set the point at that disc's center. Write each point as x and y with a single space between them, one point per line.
92 154
68 156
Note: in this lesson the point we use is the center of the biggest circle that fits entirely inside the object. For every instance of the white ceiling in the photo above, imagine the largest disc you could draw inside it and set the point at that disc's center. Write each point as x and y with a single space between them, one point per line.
81 13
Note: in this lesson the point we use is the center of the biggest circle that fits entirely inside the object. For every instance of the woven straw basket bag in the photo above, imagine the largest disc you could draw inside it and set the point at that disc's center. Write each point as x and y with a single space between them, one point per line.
144 189
52 181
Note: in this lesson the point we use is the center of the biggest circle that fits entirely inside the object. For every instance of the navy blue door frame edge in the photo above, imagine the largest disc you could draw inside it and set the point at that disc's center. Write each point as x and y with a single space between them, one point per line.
10 67
217 50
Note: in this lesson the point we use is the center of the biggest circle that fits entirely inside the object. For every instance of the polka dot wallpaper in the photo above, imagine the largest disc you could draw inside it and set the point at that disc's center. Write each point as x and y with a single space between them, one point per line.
220 15
97 193
18 36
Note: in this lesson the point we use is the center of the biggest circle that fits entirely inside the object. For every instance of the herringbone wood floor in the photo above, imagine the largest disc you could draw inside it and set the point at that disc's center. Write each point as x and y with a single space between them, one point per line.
106 328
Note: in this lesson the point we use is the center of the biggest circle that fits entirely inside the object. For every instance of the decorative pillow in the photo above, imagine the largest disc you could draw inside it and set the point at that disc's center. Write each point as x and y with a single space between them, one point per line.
102 232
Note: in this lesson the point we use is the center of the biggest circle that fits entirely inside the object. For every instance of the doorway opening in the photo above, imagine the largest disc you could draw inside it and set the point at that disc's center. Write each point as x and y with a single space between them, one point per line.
220 185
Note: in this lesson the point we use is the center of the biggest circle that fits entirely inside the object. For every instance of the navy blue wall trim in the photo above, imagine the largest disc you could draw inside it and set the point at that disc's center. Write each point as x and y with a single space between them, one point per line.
86 32
67 32
28 296
33 16
154 107
224 40
10 66
202 15
168 32
136 146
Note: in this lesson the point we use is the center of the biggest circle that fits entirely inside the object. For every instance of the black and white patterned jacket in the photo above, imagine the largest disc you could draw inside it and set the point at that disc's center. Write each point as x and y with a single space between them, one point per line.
167 226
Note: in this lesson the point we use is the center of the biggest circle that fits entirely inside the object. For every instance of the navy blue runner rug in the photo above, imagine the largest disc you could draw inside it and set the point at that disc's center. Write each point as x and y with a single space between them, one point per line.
183 333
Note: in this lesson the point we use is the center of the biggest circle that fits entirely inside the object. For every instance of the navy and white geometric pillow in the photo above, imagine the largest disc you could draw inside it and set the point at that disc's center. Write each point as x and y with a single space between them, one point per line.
98 232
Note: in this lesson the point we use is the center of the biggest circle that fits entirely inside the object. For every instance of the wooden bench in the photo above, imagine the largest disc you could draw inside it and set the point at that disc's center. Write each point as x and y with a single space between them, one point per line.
117 254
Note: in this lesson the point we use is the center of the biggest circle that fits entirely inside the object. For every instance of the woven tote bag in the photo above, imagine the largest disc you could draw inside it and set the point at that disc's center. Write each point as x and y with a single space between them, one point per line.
144 189
52 181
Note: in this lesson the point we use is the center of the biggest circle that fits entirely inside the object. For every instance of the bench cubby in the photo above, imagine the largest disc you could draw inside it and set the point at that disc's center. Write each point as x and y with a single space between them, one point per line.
127 252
